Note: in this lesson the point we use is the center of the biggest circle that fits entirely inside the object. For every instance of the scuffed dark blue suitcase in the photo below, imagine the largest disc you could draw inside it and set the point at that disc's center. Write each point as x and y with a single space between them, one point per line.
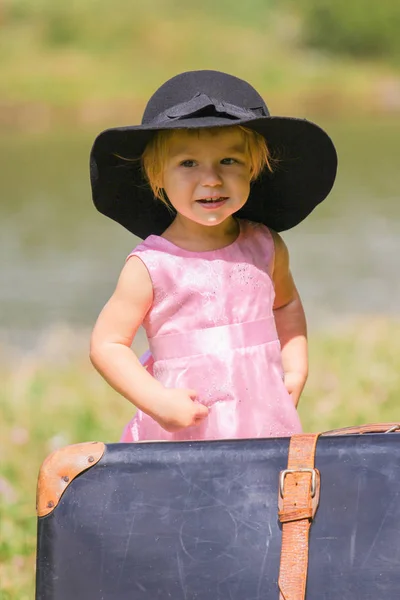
199 521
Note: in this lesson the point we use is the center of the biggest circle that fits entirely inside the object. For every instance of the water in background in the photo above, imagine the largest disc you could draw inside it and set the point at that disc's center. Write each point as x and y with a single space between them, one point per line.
60 258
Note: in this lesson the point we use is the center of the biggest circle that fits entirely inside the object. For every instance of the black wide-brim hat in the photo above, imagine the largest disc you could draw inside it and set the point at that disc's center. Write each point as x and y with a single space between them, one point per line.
303 173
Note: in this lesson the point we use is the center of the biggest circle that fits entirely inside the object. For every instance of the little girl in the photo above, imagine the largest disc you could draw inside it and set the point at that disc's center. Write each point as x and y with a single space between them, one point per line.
207 180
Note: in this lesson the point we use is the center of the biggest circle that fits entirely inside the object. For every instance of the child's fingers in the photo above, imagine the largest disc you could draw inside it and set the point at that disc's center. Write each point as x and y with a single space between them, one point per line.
202 411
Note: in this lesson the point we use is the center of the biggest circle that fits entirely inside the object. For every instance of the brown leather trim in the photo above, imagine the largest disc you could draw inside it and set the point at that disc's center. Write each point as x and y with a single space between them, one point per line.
299 489
370 428
60 468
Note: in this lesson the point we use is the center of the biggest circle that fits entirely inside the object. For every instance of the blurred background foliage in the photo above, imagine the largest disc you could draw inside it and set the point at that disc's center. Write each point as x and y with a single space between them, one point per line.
358 28
355 28
85 55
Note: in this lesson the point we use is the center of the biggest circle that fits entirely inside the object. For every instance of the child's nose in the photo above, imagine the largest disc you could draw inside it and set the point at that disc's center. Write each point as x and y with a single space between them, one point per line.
211 177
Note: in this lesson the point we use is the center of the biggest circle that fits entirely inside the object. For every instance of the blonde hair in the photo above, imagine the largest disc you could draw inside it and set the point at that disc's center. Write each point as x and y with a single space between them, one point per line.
156 152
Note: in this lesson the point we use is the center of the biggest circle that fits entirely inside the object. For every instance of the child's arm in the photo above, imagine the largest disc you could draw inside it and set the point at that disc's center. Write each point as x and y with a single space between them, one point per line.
290 322
111 354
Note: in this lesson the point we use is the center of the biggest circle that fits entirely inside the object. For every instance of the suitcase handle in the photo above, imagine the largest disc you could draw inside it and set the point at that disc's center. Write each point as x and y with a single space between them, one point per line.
361 429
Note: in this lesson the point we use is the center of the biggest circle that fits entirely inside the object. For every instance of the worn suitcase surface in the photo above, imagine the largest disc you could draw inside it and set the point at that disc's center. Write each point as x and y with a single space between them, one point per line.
198 521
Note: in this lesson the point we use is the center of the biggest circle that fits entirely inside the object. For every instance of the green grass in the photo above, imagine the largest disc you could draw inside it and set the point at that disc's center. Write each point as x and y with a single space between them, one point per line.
354 378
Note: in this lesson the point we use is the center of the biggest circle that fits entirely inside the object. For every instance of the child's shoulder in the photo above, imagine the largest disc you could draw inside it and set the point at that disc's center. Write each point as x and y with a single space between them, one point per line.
262 233
258 244
256 230
149 245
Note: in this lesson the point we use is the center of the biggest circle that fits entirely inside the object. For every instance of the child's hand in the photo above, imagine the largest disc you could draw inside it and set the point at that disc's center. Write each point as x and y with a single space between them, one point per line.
178 410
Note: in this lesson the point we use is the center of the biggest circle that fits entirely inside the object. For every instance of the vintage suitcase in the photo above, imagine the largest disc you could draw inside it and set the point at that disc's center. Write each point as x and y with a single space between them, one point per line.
199 521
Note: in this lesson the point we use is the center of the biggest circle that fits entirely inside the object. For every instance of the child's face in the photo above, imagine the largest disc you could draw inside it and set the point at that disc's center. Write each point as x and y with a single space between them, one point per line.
207 174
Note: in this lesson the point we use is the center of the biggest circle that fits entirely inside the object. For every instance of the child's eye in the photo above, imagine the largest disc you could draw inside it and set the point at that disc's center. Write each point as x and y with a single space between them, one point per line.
188 163
228 161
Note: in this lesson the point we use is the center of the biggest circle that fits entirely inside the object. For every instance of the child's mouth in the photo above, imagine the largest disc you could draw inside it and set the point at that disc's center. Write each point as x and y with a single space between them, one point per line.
212 202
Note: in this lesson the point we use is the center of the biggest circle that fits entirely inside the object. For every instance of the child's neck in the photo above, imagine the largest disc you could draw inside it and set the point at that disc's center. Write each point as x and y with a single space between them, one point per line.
201 238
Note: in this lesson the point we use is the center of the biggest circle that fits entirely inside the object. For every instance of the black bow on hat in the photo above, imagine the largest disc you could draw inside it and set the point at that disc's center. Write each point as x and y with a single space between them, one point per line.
198 106
305 174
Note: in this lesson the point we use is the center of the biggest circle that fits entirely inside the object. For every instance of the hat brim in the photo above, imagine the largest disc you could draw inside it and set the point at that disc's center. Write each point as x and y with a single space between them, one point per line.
305 168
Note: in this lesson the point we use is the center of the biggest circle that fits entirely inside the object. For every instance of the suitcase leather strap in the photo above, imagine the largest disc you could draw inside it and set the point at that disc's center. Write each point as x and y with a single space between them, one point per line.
299 487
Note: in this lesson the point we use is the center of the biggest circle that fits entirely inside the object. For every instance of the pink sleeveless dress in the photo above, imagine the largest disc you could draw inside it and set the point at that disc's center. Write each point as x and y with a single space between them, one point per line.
211 328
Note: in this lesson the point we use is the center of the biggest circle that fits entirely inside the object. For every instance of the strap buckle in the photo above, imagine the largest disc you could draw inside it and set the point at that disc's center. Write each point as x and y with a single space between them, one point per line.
287 471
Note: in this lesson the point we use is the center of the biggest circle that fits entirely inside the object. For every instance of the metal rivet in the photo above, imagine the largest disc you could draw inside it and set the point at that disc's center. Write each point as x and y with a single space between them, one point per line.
50 504
65 478
91 459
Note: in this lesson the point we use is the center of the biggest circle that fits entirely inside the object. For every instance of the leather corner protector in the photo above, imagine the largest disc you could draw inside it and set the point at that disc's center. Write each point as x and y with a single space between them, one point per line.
60 468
